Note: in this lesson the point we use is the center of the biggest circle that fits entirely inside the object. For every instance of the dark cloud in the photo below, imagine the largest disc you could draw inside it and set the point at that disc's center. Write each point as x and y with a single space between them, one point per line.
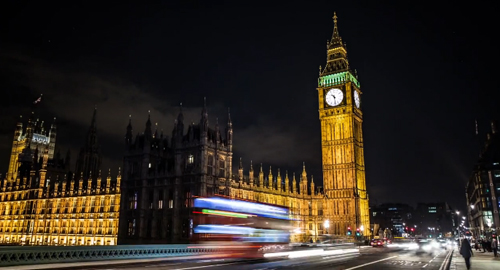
70 94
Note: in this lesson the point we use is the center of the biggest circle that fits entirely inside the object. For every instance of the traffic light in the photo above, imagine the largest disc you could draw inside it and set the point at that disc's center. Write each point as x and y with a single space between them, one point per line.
412 229
349 232
358 233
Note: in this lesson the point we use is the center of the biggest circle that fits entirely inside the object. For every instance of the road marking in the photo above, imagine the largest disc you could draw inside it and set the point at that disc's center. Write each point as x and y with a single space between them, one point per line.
359 266
205 266
425 265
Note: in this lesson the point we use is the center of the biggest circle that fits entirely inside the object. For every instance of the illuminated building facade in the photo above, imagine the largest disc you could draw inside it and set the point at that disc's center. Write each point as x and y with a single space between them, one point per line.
43 203
162 174
483 189
341 117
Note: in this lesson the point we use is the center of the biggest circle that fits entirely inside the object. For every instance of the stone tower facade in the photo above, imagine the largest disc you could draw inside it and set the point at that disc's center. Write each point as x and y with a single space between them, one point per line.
341 116
162 174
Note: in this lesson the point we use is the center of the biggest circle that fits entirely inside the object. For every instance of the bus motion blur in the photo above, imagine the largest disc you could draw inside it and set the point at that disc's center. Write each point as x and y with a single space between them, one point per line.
247 229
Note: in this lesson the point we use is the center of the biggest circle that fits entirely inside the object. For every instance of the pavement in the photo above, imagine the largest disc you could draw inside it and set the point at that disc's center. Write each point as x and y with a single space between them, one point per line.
480 261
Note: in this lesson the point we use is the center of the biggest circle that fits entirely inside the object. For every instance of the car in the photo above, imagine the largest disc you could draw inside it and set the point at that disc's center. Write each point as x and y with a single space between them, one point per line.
427 245
378 243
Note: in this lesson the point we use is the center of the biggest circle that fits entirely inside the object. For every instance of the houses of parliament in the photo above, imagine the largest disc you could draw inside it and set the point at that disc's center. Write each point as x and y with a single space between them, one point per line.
150 201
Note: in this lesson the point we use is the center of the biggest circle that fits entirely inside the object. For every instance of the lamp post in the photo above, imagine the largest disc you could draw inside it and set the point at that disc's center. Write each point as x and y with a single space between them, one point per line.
327 225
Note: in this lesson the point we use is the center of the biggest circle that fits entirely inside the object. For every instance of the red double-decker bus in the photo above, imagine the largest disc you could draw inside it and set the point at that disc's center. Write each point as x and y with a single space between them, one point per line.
249 229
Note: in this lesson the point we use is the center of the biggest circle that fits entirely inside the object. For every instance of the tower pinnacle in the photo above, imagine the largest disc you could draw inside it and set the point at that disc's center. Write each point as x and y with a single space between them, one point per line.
336 40
336 60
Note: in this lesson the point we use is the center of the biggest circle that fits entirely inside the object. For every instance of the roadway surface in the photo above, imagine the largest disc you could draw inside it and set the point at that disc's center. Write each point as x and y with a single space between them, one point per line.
386 258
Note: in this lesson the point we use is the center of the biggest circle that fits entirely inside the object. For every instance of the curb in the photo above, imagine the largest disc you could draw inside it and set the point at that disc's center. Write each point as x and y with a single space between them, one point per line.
447 261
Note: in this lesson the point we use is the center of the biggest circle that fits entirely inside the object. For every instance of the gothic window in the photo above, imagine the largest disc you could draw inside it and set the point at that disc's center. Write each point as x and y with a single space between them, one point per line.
190 159
310 209
101 210
221 168
133 201
131 227
320 208
210 165
151 198
160 200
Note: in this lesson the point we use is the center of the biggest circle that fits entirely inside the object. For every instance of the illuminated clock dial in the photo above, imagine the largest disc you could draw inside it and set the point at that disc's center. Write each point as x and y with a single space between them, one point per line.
334 97
357 100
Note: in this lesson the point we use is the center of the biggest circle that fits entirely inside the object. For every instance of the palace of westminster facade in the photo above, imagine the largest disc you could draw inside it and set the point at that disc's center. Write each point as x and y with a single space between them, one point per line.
42 202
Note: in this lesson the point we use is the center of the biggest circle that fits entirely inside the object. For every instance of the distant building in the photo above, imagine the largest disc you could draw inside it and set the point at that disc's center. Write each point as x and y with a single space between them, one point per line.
435 219
395 217
483 188
43 203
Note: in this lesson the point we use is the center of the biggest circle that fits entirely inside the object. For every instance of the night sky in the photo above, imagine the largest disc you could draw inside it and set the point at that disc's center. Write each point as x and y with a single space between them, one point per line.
426 72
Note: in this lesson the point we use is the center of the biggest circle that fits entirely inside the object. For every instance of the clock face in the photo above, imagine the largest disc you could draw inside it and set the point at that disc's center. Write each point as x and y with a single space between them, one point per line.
357 101
334 97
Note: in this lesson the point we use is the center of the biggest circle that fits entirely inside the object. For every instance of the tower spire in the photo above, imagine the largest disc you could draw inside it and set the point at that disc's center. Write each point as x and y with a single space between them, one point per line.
336 60
336 40
93 123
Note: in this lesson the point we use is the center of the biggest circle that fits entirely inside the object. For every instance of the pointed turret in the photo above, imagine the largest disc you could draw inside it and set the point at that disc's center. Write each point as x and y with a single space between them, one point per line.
118 180
204 118
303 180
52 138
270 178
336 53
89 158
148 133
294 184
229 131
89 184
278 181
217 131
179 124
98 184
261 177
240 171
129 134
312 186
108 182
155 135
251 174
287 182
72 186
63 189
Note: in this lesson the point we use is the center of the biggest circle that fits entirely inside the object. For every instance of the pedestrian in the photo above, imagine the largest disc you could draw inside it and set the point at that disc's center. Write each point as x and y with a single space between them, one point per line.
484 244
494 246
466 252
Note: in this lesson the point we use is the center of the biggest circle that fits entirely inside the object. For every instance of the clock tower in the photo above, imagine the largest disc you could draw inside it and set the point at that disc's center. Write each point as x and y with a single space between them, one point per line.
341 116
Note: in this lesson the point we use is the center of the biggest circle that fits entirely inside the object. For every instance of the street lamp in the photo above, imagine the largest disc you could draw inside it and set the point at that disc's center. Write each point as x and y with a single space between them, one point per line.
458 212
327 225
472 206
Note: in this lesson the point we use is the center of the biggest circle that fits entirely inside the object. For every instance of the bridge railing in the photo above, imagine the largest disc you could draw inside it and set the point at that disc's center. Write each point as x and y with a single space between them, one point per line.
13 256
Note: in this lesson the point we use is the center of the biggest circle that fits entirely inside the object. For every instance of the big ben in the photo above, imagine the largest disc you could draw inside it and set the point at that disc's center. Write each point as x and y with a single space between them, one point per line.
341 116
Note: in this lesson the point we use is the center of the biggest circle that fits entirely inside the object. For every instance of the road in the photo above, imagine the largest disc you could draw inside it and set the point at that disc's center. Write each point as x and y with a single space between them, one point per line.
368 259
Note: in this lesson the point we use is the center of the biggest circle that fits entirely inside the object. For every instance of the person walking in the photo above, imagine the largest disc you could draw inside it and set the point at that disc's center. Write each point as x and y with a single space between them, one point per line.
466 252
494 246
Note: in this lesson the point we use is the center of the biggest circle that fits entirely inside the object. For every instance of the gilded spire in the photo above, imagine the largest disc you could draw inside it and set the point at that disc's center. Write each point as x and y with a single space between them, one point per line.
336 40
336 60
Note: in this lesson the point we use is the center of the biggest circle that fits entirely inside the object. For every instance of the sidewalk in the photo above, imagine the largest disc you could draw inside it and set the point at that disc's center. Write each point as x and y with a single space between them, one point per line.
480 261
